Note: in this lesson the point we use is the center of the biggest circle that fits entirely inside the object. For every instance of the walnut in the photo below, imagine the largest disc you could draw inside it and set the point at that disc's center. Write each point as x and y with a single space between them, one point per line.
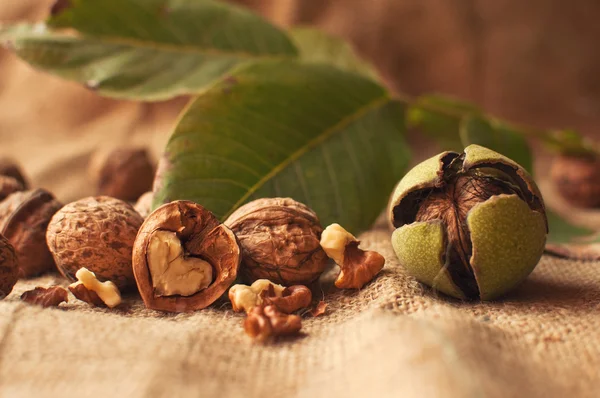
358 267
24 217
46 297
9 168
263 291
577 179
244 298
266 322
97 232
9 267
280 241
124 173
292 298
89 289
184 259
144 204
9 185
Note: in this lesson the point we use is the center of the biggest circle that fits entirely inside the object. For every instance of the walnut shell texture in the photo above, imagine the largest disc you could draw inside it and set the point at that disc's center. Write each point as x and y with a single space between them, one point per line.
280 241
96 233
9 270
202 236
24 218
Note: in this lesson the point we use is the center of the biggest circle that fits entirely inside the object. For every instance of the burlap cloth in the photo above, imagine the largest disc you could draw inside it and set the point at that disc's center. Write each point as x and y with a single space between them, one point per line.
394 338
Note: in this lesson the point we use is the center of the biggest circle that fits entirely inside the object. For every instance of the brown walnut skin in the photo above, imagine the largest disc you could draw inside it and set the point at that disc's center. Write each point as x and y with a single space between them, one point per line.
24 218
292 299
201 236
577 179
96 233
280 241
9 168
265 322
9 268
125 173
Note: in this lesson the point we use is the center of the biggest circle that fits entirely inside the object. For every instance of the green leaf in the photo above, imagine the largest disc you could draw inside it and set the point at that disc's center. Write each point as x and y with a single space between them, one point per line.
316 46
147 49
327 138
562 231
475 129
439 117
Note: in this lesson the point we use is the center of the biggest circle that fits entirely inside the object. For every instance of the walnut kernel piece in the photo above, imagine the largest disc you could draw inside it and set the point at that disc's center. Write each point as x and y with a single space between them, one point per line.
266 322
9 267
172 271
97 232
280 241
358 267
189 233
107 291
82 293
46 297
291 299
244 298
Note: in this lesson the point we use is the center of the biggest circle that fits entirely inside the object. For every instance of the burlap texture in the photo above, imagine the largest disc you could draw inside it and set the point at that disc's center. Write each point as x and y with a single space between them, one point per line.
394 338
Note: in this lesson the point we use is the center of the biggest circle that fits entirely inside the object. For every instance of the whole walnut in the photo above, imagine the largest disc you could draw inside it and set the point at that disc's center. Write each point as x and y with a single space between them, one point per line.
124 173
96 233
280 241
24 217
577 179
9 270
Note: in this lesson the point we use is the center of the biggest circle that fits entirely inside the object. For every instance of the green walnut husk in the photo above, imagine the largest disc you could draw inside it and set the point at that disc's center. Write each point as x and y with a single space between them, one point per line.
470 225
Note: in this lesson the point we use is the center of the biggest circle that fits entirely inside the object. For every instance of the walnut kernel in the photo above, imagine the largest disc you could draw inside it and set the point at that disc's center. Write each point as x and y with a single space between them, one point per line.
358 267
244 298
46 297
107 291
266 322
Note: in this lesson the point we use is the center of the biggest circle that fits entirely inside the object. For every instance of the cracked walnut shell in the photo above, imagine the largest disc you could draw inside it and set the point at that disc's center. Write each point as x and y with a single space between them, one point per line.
280 241
184 259
96 233
24 217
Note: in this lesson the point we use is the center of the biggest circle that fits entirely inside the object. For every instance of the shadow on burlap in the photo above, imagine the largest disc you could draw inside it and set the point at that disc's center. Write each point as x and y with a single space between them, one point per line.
393 338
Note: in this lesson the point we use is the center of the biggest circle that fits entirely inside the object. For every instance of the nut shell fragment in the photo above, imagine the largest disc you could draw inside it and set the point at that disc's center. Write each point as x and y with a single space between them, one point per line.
280 241
24 218
98 233
202 236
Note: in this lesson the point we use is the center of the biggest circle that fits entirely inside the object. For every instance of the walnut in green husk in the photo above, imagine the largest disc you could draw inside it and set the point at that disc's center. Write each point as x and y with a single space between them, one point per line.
470 225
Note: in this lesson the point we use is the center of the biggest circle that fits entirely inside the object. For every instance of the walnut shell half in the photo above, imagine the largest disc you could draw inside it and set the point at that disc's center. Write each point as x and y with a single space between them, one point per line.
280 241
96 233
24 217
184 259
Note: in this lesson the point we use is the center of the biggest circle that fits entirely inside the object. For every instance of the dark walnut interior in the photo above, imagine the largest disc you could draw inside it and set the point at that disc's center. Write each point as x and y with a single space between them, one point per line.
451 198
